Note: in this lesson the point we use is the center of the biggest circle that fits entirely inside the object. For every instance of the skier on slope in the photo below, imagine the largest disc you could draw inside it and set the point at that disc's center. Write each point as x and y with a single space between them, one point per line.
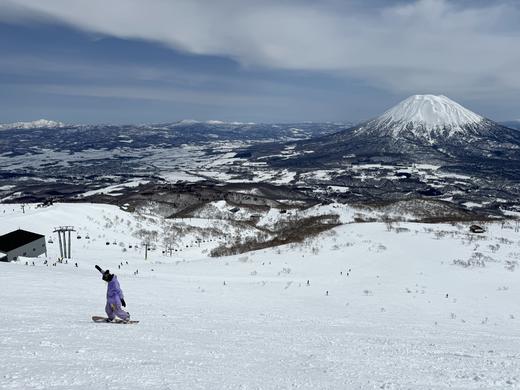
115 297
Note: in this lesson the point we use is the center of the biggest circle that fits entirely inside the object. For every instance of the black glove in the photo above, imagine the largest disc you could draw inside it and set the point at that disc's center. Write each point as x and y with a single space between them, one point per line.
123 302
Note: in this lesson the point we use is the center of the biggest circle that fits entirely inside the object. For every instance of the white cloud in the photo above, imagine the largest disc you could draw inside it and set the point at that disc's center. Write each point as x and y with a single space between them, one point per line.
426 45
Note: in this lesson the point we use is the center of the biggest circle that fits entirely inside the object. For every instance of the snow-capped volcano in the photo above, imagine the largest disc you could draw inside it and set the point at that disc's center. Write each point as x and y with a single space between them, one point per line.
38 124
427 117
430 111
421 129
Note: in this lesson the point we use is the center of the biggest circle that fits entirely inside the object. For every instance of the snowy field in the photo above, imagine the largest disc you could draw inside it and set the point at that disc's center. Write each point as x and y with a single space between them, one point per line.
364 306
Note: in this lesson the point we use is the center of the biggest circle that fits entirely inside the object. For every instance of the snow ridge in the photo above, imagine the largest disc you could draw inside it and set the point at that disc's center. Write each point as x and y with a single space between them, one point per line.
423 114
209 122
40 123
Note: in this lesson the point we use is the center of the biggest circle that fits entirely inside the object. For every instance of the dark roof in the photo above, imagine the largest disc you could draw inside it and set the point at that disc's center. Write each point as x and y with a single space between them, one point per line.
16 239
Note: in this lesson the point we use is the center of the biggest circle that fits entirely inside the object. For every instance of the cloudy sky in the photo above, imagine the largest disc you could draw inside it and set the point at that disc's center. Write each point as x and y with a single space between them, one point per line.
125 61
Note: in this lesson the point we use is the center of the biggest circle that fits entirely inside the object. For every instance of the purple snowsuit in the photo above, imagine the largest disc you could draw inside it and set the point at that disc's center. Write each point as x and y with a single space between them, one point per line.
114 296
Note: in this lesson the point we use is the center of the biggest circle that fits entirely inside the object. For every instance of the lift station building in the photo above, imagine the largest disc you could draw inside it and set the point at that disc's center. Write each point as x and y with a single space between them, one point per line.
21 243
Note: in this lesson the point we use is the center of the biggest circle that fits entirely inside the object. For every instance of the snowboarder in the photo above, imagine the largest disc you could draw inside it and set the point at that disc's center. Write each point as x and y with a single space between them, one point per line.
115 297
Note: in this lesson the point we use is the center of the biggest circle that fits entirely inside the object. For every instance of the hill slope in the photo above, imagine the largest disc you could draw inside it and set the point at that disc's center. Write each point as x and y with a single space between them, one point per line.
386 321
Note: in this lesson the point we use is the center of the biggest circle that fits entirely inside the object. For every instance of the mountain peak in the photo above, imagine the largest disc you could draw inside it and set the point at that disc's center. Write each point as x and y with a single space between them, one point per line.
428 113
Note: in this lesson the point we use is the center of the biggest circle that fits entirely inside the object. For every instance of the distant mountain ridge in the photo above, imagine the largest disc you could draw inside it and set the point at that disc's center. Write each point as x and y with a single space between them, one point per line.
512 124
45 123
37 124
31 137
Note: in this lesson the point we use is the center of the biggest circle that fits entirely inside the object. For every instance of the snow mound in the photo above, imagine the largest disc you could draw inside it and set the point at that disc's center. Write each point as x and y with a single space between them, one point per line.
217 122
428 113
187 122
38 124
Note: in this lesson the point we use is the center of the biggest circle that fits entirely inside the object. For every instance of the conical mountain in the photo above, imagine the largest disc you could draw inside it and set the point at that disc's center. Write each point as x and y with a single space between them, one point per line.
427 117
421 128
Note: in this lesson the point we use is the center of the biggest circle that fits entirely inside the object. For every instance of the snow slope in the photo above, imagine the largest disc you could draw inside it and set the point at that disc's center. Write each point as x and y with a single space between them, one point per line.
374 315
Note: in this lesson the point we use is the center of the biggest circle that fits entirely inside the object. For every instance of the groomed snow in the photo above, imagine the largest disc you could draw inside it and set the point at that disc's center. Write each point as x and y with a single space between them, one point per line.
385 308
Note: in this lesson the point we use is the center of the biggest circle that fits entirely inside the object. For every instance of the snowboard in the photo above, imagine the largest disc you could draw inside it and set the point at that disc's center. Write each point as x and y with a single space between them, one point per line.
116 321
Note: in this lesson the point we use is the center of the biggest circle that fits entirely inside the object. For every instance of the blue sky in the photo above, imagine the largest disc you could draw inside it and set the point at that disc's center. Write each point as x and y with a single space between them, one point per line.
128 61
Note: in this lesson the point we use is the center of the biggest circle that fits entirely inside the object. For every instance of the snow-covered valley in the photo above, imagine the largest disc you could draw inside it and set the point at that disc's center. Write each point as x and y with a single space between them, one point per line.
360 306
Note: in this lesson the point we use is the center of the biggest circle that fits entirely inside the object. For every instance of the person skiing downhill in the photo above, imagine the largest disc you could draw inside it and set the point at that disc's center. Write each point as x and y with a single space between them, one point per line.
115 297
